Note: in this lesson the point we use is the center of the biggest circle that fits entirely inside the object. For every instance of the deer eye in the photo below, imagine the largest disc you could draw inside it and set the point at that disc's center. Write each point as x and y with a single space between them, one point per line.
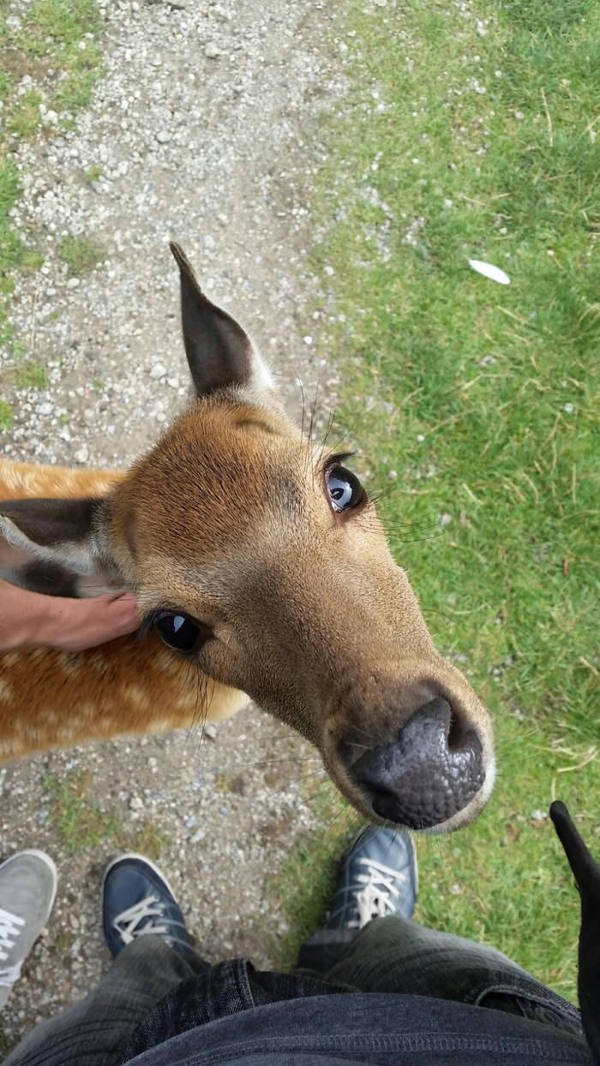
179 632
343 488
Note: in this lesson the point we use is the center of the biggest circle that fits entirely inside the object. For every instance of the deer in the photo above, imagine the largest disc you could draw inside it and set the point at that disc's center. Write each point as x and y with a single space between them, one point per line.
261 571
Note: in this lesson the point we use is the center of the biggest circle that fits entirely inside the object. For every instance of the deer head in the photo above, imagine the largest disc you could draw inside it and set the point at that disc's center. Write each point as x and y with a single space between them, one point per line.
257 555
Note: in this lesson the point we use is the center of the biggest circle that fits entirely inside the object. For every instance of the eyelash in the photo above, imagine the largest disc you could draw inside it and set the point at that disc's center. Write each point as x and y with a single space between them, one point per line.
337 457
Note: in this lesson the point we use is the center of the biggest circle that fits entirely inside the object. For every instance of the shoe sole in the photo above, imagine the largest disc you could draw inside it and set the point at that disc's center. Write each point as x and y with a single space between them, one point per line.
139 858
48 862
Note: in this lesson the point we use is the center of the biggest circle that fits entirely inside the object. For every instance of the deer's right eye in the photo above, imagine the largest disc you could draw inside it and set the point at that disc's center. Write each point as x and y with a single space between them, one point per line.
343 488
180 632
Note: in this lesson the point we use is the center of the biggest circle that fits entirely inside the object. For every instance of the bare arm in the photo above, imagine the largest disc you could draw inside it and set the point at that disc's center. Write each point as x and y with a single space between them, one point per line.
29 619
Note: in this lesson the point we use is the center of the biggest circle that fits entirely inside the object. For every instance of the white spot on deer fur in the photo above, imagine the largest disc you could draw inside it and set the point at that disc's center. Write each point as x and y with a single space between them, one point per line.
136 694
89 711
102 486
10 477
6 690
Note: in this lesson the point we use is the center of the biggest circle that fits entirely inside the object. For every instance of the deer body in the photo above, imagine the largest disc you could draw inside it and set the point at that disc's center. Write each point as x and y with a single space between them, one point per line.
258 559
53 699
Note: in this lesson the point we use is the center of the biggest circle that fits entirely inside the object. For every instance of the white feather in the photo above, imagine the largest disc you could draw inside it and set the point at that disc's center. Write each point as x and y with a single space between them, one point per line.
489 271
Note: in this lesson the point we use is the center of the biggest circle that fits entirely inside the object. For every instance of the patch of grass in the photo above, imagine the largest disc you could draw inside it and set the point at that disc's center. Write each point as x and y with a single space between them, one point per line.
81 254
11 246
82 826
64 30
469 133
5 84
6 415
25 117
93 173
56 50
79 824
147 840
63 941
32 376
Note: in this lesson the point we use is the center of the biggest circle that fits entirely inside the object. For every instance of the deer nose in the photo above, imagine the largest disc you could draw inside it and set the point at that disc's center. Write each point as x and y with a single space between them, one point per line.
427 773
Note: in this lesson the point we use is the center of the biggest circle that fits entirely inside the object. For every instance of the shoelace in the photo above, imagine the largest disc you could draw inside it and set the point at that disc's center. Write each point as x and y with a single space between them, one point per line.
128 926
11 927
374 900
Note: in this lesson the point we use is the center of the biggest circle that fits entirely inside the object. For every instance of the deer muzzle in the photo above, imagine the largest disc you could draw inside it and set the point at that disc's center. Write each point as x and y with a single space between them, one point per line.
426 774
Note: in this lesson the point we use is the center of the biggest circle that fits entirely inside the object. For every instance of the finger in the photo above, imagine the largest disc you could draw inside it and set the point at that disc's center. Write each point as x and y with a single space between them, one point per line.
122 611
74 625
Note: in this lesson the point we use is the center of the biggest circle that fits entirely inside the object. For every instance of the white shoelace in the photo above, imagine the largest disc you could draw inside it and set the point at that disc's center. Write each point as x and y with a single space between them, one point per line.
127 923
11 927
374 900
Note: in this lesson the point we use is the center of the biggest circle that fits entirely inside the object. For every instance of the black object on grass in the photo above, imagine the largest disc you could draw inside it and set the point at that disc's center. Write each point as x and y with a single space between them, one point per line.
586 872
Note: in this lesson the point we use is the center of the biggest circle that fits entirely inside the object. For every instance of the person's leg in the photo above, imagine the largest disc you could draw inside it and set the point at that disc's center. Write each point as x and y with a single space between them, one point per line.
371 943
152 954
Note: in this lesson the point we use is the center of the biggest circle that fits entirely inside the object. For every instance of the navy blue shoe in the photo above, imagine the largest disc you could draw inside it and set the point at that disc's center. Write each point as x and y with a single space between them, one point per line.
379 877
136 901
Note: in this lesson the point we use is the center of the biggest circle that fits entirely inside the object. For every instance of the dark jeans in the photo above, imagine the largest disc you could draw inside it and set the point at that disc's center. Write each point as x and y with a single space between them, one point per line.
151 993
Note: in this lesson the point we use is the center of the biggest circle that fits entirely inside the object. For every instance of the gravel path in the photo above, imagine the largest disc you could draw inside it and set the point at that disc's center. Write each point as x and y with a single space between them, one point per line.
203 128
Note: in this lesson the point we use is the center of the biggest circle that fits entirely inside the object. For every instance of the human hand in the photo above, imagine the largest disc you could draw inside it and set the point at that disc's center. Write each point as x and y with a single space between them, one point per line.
28 619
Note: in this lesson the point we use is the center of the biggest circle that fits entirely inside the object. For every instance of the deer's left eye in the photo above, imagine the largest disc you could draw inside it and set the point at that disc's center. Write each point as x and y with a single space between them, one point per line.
179 632
343 488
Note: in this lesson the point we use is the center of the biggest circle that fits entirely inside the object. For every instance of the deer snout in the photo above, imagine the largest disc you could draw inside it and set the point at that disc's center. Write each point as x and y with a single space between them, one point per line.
427 773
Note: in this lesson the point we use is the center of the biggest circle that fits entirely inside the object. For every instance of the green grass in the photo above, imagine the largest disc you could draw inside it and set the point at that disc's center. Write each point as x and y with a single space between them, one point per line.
46 49
6 415
81 254
25 117
493 394
32 376
81 826
93 173
59 29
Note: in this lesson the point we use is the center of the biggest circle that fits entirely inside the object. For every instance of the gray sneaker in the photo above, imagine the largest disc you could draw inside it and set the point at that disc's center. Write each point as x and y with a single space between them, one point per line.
27 891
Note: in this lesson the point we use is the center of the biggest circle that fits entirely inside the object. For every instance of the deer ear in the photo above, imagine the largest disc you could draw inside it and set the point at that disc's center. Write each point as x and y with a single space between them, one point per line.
58 547
219 353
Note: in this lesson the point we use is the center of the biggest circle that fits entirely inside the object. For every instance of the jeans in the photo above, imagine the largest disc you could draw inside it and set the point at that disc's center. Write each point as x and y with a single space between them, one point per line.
151 992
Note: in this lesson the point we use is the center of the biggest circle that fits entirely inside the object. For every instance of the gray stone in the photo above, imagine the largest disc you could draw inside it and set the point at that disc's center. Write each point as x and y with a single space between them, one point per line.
158 371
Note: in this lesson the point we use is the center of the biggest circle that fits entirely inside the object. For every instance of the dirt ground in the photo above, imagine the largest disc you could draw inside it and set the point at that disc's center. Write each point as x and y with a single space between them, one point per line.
204 128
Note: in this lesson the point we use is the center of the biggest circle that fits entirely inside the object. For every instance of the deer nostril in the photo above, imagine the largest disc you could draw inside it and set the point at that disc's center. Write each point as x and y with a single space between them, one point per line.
427 773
